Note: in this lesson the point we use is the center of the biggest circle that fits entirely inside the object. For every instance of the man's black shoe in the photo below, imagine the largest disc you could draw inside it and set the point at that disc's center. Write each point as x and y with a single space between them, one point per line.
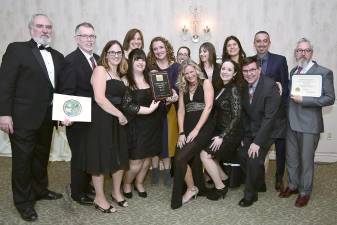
28 214
84 200
49 195
247 202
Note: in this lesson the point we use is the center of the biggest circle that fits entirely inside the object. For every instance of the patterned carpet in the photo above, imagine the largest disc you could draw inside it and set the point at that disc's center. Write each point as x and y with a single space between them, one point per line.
269 210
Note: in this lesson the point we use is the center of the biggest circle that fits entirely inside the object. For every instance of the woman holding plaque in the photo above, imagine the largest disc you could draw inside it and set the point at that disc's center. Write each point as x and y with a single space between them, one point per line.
132 40
144 131
107 150
207 61
161 58
195 130
227 133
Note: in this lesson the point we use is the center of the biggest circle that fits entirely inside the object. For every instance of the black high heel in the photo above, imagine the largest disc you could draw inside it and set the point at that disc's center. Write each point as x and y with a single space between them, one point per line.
122 203
127 194
142 194
217 193
111 209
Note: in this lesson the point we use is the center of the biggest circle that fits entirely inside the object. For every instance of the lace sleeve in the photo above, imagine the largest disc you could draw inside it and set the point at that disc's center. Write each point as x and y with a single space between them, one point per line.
235 111
128 105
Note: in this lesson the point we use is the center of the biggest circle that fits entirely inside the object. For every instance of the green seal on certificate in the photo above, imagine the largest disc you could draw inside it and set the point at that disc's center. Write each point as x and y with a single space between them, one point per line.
72 108
160 85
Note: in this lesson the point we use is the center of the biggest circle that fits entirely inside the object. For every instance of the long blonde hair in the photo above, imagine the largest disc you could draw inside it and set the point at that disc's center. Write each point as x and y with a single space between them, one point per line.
182 83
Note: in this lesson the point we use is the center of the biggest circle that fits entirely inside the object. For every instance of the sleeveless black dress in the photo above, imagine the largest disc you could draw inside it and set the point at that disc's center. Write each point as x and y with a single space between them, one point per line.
107 148
144 131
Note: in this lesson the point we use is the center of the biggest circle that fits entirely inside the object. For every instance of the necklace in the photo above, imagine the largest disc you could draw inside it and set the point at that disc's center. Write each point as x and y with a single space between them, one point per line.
192 89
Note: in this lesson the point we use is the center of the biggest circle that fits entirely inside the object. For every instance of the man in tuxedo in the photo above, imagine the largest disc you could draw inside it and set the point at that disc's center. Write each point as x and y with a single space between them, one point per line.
28 78
76 81
305 125
275 66
260 104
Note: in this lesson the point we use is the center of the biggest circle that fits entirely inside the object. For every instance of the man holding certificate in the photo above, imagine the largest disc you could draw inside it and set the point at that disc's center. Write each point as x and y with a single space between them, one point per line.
305 120
76 81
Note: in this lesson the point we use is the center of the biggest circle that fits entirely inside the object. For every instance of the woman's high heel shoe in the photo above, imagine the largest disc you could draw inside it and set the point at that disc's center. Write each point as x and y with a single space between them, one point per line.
142 194
215 194
111 209
194 192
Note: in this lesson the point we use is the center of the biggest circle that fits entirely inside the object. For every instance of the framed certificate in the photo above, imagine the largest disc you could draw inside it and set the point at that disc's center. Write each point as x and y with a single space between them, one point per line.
306 85
73 108
160 85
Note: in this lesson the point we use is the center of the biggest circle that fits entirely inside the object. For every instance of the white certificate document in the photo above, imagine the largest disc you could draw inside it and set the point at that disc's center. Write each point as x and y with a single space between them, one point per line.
306 85
73 108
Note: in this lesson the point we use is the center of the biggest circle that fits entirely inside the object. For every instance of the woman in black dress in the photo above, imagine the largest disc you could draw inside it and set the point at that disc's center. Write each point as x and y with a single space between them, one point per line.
195 130
144 131
226 136
107 150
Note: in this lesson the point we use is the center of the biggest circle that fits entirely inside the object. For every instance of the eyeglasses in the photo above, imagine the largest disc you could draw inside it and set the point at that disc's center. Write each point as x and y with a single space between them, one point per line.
86 36
300 51
249 71
40 26
183 54
116 54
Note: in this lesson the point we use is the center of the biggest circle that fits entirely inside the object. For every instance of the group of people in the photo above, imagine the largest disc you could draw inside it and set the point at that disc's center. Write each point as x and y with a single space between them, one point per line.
217 112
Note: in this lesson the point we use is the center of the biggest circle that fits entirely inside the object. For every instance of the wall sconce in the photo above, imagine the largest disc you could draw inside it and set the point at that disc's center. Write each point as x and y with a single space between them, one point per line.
195 32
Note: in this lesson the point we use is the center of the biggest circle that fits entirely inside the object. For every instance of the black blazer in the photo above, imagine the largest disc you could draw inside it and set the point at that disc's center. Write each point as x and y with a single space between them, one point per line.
215 75
25 88
75 79
260 115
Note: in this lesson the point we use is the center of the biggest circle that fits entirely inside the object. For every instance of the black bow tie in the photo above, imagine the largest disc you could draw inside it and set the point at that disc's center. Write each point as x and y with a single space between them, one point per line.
42 47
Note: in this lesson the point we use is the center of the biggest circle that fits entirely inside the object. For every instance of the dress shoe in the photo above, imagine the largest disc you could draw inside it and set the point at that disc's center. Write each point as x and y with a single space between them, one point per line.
262 188
111 209
84 200
91 191
49 195
247 202
28 214
127 194
193 193
142 194
279 185
122 203
302 200
287 192
215 194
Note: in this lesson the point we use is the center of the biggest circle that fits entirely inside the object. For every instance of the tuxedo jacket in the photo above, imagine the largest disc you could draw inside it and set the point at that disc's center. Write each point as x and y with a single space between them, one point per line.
259 116
26 91
277 69
76 75
307 117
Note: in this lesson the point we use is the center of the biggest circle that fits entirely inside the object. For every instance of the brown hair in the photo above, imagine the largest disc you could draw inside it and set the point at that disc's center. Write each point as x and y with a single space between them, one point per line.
129 36
151 58
103 61
212 54
218 84
225 54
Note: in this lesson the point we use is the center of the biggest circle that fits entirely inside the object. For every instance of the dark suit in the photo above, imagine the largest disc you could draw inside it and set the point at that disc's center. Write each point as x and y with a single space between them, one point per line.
277 69
76 81
26 94
215 75
258 121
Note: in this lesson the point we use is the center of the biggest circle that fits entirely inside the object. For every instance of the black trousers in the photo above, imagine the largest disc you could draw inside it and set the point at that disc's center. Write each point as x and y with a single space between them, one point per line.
253 167
188 155
79 179
30 156
280 147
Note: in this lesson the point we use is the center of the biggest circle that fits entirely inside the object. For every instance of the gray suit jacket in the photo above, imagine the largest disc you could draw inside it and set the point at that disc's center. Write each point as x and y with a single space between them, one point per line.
307 117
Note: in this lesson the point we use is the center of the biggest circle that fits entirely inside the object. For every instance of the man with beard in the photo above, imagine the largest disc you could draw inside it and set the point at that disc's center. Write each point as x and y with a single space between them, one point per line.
76 81
275 66
28 77
305 125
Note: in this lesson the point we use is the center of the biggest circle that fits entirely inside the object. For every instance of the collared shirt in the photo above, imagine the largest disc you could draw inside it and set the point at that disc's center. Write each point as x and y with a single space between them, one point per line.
88 56
307 68
48 61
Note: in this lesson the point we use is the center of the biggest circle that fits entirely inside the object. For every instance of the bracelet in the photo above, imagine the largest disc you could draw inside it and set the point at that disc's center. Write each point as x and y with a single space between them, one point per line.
182 133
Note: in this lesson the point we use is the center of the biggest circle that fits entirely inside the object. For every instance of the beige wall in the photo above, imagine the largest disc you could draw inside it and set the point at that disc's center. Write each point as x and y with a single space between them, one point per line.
285 20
